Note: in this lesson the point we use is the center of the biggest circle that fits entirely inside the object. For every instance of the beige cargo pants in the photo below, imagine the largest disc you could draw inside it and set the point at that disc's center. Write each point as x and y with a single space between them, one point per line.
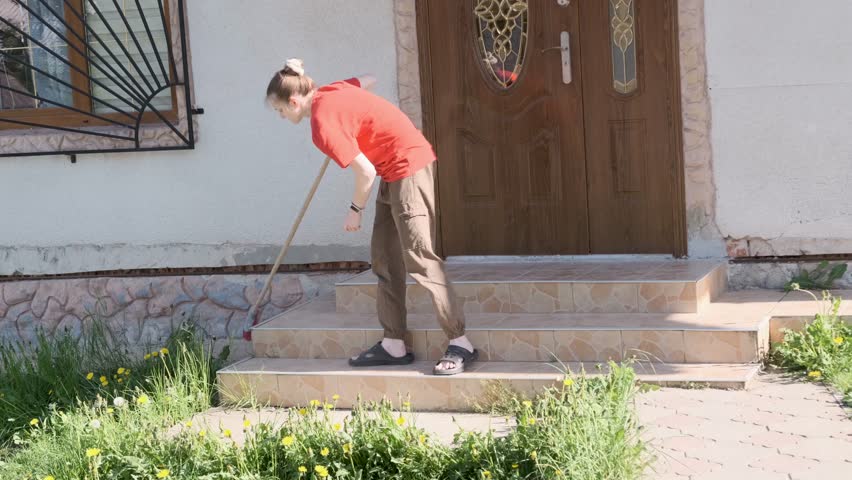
403 239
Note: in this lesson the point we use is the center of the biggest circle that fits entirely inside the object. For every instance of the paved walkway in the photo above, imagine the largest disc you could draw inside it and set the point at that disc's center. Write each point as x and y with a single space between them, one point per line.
779 429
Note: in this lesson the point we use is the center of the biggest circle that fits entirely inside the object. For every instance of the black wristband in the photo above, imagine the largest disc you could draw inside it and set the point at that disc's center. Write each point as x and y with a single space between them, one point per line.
355 208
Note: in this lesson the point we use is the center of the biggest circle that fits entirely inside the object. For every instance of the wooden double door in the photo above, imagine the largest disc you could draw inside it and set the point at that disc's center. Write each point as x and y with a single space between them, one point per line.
556 124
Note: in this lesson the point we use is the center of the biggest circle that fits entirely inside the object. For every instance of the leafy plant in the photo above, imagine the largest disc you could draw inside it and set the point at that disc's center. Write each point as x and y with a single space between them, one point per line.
821 278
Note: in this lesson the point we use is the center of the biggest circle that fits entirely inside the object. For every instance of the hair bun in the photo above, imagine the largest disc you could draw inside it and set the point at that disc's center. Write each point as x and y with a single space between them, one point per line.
295 66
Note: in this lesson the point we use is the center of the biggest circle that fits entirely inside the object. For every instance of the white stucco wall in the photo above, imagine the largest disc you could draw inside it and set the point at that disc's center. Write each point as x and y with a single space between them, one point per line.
780 74
233 199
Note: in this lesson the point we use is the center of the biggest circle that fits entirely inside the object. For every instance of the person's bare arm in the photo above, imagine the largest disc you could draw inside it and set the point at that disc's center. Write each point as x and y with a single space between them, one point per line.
365 176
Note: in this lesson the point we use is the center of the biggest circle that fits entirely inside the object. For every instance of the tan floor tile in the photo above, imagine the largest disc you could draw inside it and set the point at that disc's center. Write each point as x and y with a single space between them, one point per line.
484 297
356 299
667 298
302 389
605 297
541 297
661 345
521 346
720 347
588 345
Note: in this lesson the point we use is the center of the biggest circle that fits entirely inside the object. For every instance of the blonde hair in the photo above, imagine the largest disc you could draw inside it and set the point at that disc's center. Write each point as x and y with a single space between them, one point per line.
290 80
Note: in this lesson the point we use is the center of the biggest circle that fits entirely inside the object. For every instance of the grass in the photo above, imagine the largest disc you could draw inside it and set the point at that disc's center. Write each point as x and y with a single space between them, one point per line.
822 350
138 429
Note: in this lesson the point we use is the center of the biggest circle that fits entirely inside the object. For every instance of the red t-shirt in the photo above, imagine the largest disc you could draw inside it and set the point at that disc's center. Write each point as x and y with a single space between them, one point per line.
347 120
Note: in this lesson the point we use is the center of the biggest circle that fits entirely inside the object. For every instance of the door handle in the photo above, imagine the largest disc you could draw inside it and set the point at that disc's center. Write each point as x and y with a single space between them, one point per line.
565 48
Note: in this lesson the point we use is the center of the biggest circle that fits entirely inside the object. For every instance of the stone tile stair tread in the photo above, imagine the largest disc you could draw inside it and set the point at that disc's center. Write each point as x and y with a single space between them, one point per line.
582 271
798 304
730 312
646 371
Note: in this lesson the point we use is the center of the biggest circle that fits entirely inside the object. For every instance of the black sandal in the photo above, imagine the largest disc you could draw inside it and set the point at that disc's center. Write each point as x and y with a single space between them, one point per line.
377 356
459 356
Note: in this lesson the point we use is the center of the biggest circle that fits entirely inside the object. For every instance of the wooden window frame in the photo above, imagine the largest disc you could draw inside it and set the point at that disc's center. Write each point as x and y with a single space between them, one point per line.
60 117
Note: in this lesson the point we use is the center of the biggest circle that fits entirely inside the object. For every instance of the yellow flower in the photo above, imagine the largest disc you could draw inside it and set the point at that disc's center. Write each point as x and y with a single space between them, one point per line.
164 351
534 456
155 354
335 397
110 410
422 439
337 427
568 382
49 477
302 469
288 440
527 403
202 433
315 403
93 452
104 384
515 466
120 380
188 424
328 406
163 473
147 356
142 399
347 448
400 421
121 371
406 405
34 422
531 421
103 379
486 474
558 472
322 472
90 376
127 372
838 340
303 411
324 452
815 374
227 433
246 424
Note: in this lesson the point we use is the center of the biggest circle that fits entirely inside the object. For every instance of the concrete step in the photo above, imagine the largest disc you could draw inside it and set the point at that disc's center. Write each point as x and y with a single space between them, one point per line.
295 382
734 329
673 286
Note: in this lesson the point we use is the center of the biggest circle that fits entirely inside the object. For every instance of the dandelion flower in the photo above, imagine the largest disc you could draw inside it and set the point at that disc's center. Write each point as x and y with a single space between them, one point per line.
486 474
568 382
558 472
163 473
422 439
155 354
406 405
534 455
95 424
246 424
347 448
202 433
120 380
164 351
324 452
119 402
127 372
110 410
142 399
103 378
93 452
335 397
34 422
328 406
815 374
49 477
288 440
302 469
400 421
120 371
514 466
838 340
303 411
104 384
147 356
90 376
226 433
188 424
531 421
322 472
527 403
315 403
337 427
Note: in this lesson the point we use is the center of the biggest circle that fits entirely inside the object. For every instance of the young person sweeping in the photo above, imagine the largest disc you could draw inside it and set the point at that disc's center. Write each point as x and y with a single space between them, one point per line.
372 137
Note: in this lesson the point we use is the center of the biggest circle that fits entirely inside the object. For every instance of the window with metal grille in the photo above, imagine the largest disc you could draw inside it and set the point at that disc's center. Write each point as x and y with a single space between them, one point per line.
77 66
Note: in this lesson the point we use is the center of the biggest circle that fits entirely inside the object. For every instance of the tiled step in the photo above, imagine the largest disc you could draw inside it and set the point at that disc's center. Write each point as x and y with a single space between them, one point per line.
293 382
575 287
729 331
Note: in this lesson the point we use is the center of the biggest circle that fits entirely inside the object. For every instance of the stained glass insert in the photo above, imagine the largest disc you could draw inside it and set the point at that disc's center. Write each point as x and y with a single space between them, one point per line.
501 27
623 26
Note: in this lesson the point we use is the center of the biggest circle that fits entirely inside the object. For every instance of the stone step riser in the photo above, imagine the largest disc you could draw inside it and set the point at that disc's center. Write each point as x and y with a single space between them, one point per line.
457 394
518 345
553 297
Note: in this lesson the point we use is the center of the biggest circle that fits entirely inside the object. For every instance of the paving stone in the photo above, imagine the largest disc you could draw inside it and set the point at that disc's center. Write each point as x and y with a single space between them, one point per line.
825 471
733 454
811 427
781 463
774 440
741 473
682 422
822 449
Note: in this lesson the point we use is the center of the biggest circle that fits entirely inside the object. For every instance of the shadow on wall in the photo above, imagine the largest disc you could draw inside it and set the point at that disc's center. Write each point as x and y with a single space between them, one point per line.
145 310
